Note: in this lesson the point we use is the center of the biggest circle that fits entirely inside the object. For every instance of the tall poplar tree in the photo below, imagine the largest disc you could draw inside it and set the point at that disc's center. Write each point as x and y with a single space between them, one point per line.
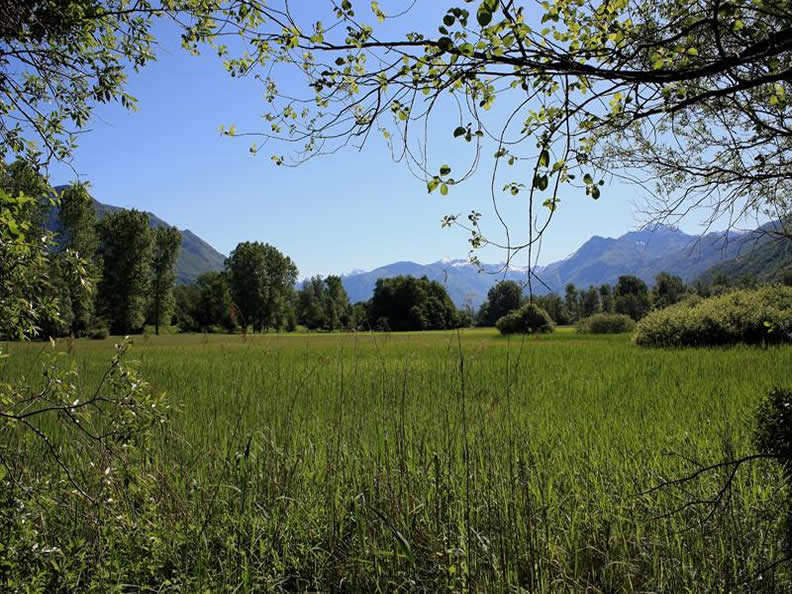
167 241
126 247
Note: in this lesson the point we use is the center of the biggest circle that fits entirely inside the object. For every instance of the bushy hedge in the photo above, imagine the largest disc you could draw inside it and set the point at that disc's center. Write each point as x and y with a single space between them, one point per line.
752 316
528 319
606 323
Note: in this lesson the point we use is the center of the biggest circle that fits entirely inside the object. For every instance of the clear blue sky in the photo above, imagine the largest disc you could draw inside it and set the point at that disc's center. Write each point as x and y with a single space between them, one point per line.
351 210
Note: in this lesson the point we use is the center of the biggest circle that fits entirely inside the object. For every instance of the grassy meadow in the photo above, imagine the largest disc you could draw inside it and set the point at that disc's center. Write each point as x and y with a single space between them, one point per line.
432 461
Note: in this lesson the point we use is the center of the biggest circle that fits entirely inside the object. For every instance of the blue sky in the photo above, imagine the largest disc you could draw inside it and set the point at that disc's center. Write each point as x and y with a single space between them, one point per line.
351 210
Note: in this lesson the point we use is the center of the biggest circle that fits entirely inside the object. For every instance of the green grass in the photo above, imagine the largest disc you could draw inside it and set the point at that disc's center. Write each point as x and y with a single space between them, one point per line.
393 462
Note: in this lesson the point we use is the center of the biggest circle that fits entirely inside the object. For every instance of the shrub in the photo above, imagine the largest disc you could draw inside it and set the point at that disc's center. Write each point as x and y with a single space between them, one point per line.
529 318
99 333
752 316
606 323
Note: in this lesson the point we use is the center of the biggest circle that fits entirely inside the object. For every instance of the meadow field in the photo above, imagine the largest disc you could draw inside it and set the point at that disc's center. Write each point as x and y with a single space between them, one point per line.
431 461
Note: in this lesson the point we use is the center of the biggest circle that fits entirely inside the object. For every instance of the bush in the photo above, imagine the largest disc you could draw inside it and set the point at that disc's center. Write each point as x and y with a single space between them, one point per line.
751 316
528 319
606 323
99 333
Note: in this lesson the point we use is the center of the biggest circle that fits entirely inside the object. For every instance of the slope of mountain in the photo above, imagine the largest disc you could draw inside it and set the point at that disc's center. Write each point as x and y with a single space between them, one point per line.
644 254
763 255
195 257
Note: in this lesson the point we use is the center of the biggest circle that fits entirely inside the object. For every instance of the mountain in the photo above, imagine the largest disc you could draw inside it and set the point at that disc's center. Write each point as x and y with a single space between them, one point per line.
763 255
195 257
600 260
645 254
462 280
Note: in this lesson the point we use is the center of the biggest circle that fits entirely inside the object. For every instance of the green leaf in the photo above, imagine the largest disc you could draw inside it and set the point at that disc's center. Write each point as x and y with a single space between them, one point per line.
460 131
444 190
595 192
432 184
445 44
544 158
448 20
540 182
484 16
445 170
587 179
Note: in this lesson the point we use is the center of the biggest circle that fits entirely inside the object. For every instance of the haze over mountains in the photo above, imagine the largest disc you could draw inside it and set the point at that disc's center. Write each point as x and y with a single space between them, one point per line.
598 261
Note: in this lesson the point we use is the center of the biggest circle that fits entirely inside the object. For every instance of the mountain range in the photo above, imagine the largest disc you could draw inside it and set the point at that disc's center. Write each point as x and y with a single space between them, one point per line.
600 260
195 256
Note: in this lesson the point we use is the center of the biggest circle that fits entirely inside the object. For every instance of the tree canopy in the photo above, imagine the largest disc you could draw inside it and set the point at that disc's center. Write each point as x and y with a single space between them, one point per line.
689 99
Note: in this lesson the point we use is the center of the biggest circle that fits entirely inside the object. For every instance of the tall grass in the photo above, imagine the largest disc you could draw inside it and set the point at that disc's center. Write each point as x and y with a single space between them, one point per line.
436 461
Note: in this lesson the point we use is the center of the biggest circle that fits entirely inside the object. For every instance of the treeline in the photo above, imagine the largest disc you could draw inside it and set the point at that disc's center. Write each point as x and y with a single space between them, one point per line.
129 264
256 290
630 296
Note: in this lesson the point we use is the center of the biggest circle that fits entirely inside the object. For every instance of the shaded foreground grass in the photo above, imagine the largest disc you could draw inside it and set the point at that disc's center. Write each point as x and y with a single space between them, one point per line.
434 461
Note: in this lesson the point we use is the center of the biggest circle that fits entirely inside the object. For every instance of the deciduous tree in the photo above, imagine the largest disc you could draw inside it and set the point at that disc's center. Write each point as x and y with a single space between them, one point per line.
126 249
167 242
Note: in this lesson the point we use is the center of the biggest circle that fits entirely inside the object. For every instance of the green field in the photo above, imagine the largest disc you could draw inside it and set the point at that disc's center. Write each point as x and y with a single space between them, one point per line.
433 461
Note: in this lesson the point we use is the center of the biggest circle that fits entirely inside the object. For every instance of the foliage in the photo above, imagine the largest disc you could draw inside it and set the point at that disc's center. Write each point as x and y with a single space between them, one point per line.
59 59
502 299
752 316
554 306
167 241
606 323
77 221
324 304
663 92
408 303
71 452
631 297
668 290
261 280
529 319
126 250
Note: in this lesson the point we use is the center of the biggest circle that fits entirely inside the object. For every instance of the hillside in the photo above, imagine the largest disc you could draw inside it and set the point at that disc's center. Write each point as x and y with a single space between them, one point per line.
195 257
762 255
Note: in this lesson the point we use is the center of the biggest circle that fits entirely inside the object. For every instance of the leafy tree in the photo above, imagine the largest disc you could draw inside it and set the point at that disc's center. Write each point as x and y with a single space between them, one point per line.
606 298
528 319
24 271
262 281
631 297
337 309
126 249
590 303
409 303
186 299
214 301
554 306
59 59
77 222
581 91
167 241
311 313
572 302
23 178
505 297
668 290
